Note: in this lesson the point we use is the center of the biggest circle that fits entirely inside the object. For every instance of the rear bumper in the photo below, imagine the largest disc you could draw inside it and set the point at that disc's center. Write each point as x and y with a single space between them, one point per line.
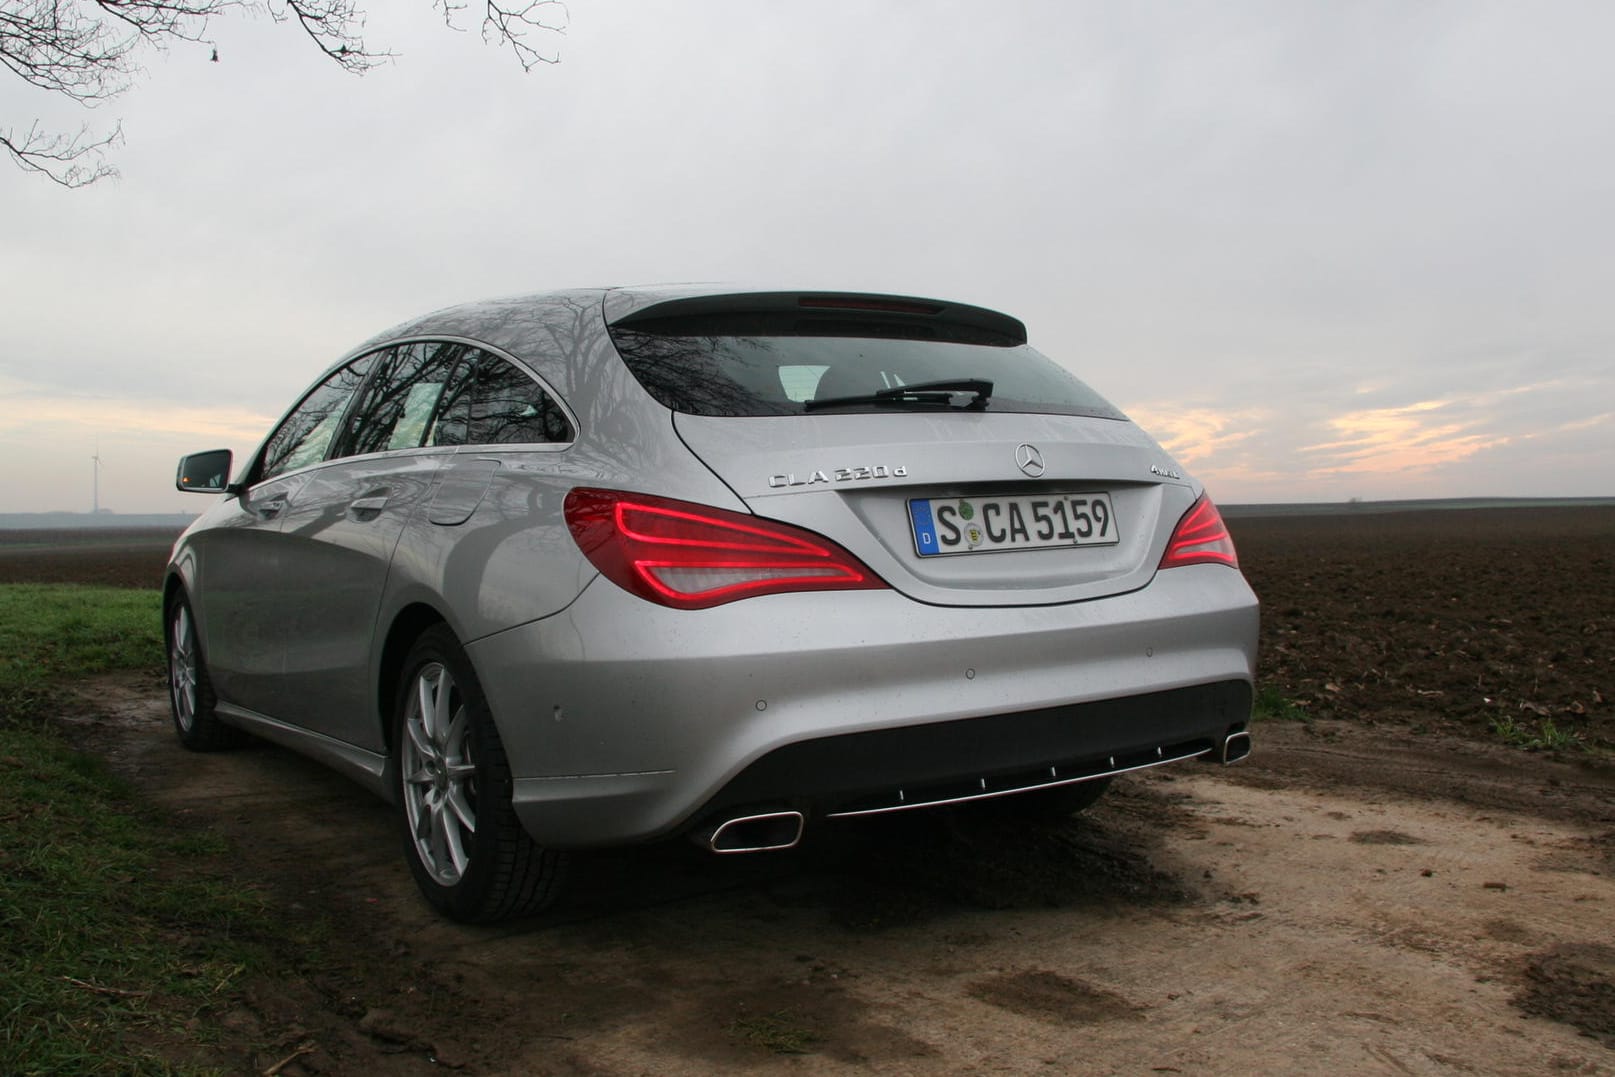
624 721
917 766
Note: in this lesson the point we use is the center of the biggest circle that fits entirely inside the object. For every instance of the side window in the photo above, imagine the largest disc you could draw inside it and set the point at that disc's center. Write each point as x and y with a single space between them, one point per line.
402 396
307 432
492 402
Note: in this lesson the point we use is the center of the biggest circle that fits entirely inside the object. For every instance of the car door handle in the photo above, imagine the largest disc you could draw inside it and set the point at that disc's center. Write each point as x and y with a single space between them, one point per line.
271 507
368 504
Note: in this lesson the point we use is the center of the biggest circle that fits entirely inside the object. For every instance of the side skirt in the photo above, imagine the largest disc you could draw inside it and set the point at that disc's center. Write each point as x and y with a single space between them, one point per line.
365 767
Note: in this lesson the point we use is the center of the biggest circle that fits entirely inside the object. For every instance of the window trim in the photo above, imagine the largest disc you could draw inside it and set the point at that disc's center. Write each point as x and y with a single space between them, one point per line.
472 342
374 348
256 470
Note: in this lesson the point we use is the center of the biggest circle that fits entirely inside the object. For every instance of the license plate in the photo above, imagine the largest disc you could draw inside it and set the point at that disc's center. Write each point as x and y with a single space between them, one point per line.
950 525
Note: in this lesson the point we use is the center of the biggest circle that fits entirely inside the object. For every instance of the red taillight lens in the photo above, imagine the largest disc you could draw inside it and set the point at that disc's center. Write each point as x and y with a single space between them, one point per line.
1201 538
690 557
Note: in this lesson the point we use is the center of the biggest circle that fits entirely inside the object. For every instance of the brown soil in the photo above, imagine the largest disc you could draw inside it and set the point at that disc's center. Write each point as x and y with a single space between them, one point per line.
106 557
1452 620
1389 887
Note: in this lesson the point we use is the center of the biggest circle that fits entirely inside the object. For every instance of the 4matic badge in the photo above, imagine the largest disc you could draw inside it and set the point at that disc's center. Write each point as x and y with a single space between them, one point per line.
839 474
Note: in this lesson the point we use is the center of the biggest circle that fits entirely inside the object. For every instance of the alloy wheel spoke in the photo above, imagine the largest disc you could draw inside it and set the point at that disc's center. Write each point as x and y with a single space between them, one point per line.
442 717
426 690
453 844
422 743
418 776
439 837
424 821
454 735
462 809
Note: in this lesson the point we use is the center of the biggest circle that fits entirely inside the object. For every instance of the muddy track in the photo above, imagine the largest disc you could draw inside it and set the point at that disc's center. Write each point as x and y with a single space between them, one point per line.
1341 756
1349 900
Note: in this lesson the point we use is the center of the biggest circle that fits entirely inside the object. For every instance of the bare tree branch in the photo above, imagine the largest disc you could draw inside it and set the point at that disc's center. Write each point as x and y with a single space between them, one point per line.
72 161
511 25
336 27
64 49
183 20
86 51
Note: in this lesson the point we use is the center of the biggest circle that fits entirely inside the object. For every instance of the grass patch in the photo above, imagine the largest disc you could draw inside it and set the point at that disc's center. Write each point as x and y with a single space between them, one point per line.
55 632
1272 705
781 1032
1543 736
108 946
120 931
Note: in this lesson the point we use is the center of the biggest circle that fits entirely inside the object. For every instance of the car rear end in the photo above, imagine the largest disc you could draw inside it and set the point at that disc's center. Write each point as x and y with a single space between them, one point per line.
943 569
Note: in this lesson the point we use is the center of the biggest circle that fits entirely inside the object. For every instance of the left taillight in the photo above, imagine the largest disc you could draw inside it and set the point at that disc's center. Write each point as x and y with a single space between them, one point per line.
1201 538
691 557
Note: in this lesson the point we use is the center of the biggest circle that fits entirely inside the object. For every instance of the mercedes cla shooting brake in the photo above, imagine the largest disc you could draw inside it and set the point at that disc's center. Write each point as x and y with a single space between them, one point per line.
597 567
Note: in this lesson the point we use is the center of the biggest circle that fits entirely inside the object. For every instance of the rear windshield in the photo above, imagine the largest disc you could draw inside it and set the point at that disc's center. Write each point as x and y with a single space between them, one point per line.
734 374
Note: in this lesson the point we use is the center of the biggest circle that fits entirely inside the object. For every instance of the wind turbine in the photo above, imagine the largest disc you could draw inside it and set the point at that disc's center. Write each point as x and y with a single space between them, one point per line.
95 488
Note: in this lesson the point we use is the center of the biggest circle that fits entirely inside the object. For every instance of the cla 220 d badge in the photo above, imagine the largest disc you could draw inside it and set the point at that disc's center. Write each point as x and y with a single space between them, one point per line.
840 474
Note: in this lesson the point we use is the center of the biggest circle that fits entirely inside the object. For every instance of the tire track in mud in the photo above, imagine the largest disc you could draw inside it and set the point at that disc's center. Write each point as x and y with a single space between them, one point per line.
1285 914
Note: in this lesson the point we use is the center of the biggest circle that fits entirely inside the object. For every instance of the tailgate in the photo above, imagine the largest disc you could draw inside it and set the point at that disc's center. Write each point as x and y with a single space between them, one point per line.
961 508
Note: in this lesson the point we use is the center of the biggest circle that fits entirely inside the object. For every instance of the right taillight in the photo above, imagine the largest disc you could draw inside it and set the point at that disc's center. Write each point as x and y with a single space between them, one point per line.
1201 538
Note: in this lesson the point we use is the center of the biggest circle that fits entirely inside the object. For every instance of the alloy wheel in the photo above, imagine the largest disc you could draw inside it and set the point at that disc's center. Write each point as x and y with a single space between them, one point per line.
182 666
439 774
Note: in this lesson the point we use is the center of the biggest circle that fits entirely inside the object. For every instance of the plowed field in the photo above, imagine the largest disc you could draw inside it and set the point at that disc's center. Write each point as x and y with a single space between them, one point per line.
1452 621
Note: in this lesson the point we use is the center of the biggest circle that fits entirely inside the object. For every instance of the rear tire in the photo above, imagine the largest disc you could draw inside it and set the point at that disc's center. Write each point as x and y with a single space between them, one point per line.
190 690
467 850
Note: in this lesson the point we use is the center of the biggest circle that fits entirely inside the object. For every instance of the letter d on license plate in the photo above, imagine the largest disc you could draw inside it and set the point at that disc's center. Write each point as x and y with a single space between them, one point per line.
952 525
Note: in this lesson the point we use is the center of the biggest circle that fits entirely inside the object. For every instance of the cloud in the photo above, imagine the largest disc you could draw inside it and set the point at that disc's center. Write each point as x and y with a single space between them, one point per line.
127 418
1197 434
1390 440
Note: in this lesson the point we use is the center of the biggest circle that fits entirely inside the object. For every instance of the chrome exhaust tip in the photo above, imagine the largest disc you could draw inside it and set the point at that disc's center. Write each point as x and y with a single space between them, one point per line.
757 833
1234 747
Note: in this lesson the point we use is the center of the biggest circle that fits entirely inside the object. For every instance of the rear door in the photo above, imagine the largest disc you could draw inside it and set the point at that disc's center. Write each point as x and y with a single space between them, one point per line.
338 537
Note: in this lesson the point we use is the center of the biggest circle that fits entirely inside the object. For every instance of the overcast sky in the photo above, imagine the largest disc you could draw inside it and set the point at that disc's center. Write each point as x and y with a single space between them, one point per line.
1321 251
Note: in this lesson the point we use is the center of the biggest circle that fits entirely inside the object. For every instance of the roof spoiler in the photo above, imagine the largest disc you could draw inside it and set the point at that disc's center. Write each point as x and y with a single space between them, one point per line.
758 312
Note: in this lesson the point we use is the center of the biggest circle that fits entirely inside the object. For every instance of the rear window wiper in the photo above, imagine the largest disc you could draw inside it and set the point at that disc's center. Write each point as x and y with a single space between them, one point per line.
969 394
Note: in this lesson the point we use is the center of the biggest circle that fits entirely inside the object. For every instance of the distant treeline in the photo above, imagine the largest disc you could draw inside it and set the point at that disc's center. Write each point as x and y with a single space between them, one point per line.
1337 508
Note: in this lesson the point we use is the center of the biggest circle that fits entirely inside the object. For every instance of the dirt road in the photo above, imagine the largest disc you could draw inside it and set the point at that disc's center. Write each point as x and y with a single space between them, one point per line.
1350 900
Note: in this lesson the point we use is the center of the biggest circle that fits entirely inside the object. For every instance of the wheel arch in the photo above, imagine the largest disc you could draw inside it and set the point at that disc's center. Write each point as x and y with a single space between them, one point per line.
172 585
175 587
407 626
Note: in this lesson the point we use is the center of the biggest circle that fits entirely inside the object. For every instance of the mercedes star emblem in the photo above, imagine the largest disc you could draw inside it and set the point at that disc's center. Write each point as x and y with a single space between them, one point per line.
1029 460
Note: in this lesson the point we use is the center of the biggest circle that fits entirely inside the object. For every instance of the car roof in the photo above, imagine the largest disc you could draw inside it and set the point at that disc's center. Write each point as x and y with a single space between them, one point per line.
511 322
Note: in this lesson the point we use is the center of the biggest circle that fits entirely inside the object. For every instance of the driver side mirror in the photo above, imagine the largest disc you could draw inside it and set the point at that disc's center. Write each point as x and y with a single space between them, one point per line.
205 472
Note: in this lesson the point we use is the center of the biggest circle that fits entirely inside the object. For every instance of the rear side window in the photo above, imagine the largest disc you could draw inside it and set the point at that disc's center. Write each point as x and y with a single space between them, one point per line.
402 397
493 402
305 436
699 369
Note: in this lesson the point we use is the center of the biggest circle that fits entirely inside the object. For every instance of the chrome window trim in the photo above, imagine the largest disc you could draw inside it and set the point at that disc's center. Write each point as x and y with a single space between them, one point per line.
498 352
374 348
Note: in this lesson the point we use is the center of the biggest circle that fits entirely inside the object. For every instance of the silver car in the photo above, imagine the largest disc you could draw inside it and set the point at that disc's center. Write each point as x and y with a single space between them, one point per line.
598 567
